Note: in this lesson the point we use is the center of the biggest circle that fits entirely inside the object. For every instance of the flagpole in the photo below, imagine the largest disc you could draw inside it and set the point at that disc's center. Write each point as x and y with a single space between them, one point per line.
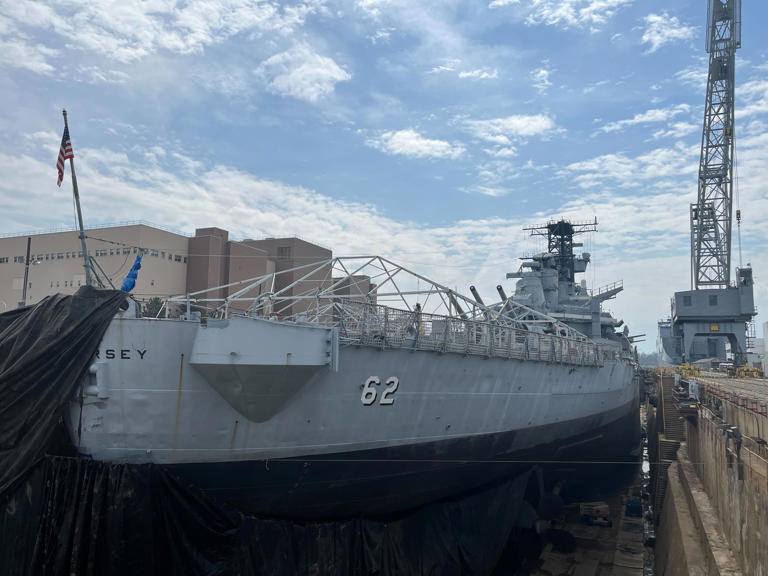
86 262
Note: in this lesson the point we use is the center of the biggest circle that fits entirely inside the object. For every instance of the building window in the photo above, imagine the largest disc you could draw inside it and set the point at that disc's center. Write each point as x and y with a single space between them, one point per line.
154 253
78 282
60 256
127 250
170 256
185 259
57 283
51 283
134 250
18 259
111 251
713 299
686 300
177 258
46 256
283 252
163 255
4 259
151 282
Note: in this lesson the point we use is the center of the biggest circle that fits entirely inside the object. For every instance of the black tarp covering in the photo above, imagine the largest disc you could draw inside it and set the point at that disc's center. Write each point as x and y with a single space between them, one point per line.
71 515
75 516
44 351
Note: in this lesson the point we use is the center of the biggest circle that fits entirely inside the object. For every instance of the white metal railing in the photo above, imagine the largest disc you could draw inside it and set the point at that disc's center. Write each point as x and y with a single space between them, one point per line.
353 294
364 324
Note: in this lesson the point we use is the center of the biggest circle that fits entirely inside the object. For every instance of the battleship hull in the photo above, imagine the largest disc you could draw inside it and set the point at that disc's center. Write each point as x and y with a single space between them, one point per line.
295 420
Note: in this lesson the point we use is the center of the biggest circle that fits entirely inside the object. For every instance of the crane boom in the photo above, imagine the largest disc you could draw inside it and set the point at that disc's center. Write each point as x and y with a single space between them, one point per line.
711 214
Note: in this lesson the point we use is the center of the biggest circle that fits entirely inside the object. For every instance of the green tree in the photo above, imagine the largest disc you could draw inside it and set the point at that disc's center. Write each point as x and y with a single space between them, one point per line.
151 307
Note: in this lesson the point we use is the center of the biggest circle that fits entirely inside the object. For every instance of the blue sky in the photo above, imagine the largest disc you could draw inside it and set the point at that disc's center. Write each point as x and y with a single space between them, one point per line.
428 132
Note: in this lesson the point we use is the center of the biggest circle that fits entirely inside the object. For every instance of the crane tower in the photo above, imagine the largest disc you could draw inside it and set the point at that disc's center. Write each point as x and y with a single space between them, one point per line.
716 308
711 214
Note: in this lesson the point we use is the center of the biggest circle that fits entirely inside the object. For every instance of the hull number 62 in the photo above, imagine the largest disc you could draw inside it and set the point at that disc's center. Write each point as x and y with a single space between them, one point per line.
370 393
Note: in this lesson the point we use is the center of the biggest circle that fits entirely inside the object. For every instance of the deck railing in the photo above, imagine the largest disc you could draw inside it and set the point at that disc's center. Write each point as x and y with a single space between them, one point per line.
383 327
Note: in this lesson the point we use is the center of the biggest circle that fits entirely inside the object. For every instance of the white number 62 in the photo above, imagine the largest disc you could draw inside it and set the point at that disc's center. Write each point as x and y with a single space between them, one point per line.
368 396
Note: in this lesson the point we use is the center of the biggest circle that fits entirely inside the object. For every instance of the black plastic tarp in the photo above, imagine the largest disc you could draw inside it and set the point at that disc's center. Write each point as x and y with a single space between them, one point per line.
44 351
72 515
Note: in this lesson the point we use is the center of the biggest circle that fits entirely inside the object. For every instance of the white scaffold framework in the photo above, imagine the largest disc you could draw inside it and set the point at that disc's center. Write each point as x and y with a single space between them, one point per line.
375 302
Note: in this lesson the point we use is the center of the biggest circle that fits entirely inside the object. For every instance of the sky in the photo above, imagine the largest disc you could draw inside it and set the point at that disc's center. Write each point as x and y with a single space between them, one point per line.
429 132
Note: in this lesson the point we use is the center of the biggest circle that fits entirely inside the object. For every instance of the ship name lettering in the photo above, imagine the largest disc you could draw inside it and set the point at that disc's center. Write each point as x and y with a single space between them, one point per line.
121 353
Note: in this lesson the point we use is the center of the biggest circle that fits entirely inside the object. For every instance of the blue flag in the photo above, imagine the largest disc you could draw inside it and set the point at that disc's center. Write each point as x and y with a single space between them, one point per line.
130 280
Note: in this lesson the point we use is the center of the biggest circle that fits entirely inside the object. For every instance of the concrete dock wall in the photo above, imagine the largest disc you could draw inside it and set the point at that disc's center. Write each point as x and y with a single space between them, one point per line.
678 550
733 470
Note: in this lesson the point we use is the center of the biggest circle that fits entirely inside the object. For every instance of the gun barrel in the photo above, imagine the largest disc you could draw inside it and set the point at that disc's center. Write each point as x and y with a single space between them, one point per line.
476 295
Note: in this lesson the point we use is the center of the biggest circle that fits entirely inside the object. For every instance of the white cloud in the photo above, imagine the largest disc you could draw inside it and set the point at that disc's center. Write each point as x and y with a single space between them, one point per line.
502 3
449 65
504 131
96 75
694 76
130 30
301 73
751 98
663 29
381 35
540 78
373 7
480 74
590 14
589 88
19 53
506 152
647 117
411 143
622 171
676 130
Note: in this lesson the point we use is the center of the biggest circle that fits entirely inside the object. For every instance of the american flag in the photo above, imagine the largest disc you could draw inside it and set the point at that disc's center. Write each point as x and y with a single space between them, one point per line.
65 152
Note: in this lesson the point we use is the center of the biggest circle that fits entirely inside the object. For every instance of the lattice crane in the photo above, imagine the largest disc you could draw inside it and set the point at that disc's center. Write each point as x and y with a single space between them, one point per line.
700 319
711 214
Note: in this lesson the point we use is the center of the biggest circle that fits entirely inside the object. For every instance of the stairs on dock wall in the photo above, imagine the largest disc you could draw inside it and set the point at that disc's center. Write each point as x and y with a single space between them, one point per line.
670 432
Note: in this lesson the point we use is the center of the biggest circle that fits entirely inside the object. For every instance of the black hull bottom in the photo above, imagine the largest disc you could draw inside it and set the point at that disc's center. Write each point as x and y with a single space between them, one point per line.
387 481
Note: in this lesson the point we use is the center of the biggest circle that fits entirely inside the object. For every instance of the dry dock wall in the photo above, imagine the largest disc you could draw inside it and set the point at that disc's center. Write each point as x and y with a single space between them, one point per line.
733 469
679 549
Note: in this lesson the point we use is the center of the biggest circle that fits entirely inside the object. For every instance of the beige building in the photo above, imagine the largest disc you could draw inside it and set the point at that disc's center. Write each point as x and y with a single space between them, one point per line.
217 261
172 263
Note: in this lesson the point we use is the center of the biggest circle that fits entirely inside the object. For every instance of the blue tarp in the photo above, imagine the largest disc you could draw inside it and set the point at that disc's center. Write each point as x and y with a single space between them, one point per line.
130 280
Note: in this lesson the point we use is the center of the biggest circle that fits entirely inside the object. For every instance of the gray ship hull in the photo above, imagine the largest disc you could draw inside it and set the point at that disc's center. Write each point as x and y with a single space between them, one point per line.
383 481
284 420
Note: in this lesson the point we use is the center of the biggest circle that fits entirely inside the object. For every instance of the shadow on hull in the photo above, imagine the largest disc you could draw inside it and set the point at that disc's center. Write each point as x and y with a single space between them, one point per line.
388 481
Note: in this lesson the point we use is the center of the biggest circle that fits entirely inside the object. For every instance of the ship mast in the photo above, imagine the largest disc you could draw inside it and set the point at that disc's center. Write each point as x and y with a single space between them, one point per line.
560 242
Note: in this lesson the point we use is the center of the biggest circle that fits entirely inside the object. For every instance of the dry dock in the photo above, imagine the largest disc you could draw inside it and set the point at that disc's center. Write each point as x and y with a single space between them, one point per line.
707 438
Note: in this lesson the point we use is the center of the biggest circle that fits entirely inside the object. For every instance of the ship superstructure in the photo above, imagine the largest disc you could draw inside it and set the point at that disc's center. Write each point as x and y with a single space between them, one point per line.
547 282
